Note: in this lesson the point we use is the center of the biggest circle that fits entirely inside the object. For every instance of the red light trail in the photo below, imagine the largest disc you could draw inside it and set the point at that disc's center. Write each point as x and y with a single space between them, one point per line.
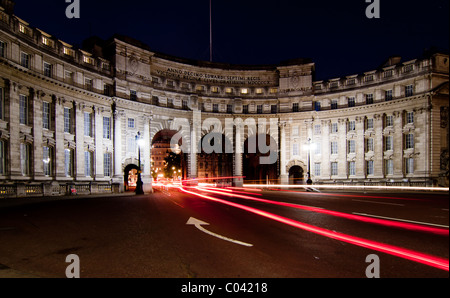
422 258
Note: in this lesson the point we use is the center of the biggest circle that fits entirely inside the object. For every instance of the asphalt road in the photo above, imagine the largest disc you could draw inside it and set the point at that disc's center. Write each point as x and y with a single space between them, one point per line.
250 234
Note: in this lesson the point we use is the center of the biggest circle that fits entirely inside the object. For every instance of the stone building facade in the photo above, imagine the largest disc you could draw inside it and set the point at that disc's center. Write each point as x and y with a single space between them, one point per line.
71 119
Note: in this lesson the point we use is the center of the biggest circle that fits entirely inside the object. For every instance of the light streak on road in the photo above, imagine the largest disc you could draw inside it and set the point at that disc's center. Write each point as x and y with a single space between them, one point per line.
379 221
419 257
413 188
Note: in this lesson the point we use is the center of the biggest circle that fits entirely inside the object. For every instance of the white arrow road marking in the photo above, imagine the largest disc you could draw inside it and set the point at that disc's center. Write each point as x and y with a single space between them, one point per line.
198 224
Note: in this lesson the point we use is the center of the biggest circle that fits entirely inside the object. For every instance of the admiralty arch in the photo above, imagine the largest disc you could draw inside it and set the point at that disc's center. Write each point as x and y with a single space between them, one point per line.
81 118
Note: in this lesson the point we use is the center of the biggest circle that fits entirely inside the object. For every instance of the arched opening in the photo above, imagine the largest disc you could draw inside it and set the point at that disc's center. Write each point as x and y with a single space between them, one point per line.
168 161
254 170
130 177
214 164
296 175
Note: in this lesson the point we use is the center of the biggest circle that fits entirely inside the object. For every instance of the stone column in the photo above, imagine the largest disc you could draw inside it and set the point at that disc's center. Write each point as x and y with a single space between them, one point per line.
79 140
146 156
37 135
237 157
118 174
284 178
14 130
98 119
59 137
398 145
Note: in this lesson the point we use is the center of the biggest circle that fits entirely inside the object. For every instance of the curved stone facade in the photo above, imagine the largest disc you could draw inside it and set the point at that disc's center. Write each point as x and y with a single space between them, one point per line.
69 117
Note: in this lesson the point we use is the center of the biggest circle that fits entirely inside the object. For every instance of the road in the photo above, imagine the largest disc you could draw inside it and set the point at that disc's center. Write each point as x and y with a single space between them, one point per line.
230 233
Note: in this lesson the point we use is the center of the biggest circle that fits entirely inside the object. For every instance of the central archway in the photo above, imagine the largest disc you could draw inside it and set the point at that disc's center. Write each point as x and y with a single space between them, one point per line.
255 171
130 177
296 175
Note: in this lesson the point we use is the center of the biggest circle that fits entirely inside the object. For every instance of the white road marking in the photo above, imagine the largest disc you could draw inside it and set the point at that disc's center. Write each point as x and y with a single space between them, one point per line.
404 220
198 224
364 201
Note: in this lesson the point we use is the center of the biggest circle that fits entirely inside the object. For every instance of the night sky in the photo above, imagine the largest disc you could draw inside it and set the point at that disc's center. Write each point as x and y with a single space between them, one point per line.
336 35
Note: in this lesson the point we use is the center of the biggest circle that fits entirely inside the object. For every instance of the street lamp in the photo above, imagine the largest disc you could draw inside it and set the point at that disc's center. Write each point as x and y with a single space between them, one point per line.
139 183
310 146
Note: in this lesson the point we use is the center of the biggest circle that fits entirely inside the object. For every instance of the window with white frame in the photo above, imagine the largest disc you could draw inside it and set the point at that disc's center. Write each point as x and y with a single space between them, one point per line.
68 162
352 125
317 169
25 159
46 115
131 123
409 165
351 168
87 124
409 141
389 121
334 128
88 164
351 146
388 143
369 145
334 168
48 69
318 148
25 60
295 149
68 120
409 90
317 129
23 109
47 160
2 49
410 117
389 167
369 123
334 147
2 157
107 128
369 167
107 164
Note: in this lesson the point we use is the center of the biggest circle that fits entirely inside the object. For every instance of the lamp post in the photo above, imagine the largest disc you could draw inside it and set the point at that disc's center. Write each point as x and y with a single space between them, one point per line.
139 183
309 147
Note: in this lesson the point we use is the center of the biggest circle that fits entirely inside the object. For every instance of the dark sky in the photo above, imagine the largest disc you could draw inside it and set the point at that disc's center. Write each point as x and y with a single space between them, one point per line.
335 34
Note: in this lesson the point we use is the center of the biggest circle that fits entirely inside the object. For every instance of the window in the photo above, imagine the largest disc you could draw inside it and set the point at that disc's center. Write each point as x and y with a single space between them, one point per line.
369 144
409 141
317 169
244 91
352 125
23 108
69 52
409 90
88 60
2 157
215 89
351 102
295 107
88 164
317 129
107 164
409 165
389 167
334 169
133 95
25 154
351 146
369 167
131 145
334 104
389 121
369 99
67 120
68 162
317 106
388 95
388 143
351 168
87 124
2 49
1 104
259 109
245 109
48 69
88 84
25 60
273 90
295 130
409 117
228 90
295 150
274 109
47 161
408 68
215 108
185 105
334 128
131 123
107 90
107 128
318 148
369 123
334 147
230 109
259 91
45 115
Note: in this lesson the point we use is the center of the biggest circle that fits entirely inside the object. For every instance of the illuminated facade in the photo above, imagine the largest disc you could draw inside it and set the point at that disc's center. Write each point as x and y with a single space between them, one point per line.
69 117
